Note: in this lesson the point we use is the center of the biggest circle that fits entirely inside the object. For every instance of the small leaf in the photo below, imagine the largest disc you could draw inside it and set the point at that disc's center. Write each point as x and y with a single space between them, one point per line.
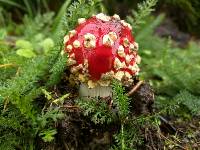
28 53
60 101
38 37
2 34
47 94
24 44
47 44
48 135
147 52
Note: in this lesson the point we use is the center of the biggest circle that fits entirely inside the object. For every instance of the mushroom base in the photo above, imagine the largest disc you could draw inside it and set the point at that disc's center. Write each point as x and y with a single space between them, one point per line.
98 91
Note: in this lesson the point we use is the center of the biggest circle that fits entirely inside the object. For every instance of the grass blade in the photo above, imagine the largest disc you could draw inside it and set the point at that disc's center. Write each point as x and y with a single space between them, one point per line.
60 14
10 2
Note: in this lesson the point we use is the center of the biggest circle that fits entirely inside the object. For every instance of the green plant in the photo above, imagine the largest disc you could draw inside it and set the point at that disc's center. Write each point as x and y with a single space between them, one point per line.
121 99
21 89
122 102
144 10
185 10
172 71
97 110
29 7
130 135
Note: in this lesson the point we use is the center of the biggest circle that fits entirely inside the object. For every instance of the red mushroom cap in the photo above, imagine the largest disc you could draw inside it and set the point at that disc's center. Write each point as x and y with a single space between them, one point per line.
102 48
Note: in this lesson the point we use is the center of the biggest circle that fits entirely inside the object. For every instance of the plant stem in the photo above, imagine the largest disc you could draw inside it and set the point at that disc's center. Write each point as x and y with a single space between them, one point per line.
122 130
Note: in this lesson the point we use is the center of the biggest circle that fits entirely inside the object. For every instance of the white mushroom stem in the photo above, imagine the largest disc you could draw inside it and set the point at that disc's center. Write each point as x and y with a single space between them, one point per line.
97 91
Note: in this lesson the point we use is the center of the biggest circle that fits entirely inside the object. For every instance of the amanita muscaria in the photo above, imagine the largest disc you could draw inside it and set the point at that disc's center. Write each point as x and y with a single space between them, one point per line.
100 49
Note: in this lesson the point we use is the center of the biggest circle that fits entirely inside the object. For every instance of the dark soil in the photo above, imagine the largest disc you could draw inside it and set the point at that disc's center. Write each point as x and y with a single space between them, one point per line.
169 29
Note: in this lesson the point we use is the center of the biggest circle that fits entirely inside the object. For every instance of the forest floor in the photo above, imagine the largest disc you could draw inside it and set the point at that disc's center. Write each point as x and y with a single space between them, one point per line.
77 131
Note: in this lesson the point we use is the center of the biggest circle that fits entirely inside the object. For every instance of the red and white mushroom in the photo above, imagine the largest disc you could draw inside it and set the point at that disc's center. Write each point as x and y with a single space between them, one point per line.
100 49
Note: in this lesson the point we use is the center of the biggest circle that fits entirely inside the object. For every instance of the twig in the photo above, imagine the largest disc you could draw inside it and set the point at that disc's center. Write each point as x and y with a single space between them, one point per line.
7 65
176 144
151 140
5 104
135 88
70 107
18 71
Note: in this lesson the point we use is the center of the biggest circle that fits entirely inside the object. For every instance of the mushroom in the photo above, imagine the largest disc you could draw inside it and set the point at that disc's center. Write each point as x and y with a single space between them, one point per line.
100 49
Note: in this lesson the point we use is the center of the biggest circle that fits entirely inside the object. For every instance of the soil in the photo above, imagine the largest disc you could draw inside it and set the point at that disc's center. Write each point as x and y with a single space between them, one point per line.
169 29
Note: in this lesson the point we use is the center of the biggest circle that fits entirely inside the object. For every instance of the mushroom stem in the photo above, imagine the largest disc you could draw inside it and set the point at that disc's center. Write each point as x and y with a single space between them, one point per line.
98 91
